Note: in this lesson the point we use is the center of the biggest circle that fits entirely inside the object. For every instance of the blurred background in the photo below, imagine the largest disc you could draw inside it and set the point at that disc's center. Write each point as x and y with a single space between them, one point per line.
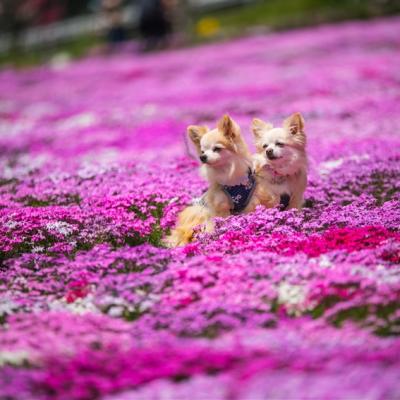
38 31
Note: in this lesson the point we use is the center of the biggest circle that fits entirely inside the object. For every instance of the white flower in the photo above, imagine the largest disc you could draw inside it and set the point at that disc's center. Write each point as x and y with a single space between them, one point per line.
60 227
7 306
37 249
327 166
79 306
116 311
24 166
324 261
88 170
11 224
16 358
293 297
77 121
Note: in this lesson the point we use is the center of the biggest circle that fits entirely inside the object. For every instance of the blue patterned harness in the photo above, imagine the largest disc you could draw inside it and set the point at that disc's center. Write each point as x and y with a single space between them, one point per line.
240 195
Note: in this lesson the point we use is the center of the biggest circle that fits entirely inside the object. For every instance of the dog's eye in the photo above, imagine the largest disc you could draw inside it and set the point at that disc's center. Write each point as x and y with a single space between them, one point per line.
280 144
217 149
265 146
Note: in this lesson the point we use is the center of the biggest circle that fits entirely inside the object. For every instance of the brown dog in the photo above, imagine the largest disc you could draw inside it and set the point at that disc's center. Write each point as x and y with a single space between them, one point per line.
227 165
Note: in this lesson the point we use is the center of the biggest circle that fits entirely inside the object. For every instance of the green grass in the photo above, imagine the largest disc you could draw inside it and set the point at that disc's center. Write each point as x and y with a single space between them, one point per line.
75 48
282 14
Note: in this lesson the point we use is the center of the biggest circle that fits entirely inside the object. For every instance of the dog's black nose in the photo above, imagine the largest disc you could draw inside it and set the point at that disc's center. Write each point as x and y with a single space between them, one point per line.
203 158
270 154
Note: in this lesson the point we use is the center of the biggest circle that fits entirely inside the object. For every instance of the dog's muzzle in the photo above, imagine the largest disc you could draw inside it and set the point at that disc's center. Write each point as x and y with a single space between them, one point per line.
270 155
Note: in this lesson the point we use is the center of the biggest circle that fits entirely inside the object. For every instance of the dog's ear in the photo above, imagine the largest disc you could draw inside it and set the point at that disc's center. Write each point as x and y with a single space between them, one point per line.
294 124
228 127
258 126
195 133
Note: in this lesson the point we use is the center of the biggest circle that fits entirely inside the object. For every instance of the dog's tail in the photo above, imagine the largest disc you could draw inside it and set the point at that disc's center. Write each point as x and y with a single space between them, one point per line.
188 219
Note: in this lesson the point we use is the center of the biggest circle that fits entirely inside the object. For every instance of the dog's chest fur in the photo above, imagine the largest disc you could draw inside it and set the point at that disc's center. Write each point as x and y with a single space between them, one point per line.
277 183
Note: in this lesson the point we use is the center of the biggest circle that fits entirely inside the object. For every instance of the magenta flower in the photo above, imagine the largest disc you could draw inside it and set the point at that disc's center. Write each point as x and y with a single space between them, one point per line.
93 172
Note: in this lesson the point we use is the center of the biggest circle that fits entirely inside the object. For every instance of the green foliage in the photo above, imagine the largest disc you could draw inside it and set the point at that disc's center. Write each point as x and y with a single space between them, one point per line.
279 14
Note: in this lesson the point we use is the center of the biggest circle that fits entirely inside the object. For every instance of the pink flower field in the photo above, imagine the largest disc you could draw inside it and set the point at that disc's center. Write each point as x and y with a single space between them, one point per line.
273 305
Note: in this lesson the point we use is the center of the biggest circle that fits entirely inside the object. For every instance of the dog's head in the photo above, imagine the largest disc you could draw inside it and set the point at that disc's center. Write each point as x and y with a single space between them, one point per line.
217 147
282 147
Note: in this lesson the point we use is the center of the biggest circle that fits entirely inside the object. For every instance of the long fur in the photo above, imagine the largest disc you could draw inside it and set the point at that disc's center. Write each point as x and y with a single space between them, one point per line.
227 166
188 219
288 145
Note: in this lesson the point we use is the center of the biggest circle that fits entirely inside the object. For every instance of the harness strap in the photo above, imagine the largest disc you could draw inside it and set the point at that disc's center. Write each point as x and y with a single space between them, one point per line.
284 201
240 195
